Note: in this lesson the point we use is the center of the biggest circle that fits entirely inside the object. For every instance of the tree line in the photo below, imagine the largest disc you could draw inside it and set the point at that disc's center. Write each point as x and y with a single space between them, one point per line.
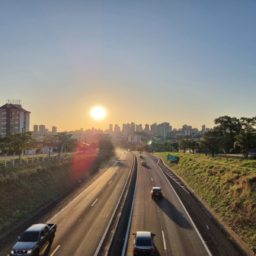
16 144
230 135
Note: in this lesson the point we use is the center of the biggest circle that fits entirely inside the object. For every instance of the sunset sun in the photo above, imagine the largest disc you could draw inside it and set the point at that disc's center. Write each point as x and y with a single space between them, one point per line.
98 113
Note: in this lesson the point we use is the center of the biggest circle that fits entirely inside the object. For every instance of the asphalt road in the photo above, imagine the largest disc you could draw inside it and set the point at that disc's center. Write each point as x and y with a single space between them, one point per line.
83 220
167 218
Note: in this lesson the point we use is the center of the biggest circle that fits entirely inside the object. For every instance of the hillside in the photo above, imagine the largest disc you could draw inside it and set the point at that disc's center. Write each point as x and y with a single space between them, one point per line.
227 185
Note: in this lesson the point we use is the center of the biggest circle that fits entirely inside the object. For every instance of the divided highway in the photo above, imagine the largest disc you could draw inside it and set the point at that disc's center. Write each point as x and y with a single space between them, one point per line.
82 223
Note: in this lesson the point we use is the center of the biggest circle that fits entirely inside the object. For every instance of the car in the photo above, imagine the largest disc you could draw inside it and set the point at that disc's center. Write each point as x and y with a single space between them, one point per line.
156 193
35 240
143 243
143 163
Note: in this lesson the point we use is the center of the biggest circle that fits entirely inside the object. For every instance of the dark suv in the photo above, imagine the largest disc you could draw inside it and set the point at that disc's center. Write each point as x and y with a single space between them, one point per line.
156 193
143 243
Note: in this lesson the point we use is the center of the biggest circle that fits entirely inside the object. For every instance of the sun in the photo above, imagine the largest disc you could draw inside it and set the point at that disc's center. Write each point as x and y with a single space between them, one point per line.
98 113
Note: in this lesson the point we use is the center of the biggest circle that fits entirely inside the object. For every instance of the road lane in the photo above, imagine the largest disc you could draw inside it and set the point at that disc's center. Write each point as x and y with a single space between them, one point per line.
175 234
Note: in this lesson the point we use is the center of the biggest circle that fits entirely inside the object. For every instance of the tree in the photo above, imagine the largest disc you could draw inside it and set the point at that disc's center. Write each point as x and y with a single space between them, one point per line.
210 142
183 144
246 139
63 141
227 127
19 142
50 141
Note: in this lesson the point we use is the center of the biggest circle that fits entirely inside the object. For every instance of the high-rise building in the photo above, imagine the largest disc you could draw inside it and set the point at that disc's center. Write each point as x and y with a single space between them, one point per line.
54 130
147 129
163 129
13 119
42 130
117 129
35 129
153 128
110 128
138 128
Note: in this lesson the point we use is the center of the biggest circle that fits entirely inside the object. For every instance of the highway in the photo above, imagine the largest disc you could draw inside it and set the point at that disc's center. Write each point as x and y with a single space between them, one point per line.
175 232
81 224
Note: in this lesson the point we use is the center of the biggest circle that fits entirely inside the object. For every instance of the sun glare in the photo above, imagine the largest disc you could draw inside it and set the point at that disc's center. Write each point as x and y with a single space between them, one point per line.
98 113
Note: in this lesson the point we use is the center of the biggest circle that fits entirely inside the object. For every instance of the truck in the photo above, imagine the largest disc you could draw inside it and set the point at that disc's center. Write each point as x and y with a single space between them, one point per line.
35 240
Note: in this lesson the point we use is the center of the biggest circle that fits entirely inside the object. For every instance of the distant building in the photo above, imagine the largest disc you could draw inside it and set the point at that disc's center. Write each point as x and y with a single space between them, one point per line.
138 128
42 130
117 129
110 128
35 129
153 128
147 129
54 130
13 119
163 130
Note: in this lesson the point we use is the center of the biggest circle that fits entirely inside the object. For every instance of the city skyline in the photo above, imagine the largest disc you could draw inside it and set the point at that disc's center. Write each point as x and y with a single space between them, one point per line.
143 61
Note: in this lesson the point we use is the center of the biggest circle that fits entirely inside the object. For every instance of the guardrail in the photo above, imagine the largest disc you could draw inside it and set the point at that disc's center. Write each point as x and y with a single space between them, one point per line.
107 240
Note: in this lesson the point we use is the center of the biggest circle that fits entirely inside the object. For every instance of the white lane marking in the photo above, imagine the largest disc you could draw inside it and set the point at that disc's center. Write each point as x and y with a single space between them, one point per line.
152 179
183 206
207 227
95 201
56 249
164 242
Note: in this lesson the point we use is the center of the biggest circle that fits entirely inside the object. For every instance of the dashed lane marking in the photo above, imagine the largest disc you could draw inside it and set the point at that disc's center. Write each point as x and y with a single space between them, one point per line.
164 242
56 249
95 201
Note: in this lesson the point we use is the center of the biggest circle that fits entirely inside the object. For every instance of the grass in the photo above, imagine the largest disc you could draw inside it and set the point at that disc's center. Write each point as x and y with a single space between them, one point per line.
24 191
227 185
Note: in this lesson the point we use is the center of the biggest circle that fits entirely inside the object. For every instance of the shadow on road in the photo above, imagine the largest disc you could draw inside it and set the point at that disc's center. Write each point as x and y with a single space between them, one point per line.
171 211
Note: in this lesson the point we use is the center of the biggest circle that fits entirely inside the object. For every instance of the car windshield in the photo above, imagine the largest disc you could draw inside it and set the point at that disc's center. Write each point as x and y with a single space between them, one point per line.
29 237
143 241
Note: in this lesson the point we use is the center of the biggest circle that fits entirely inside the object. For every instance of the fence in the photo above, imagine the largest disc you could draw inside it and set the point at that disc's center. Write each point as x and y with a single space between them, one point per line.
16 163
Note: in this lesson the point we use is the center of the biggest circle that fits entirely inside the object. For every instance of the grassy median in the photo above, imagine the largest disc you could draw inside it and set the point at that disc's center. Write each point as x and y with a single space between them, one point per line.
227 185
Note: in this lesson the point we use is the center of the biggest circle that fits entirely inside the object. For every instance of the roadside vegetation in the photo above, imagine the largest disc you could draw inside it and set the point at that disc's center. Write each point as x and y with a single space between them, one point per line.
227 185
25 191
230 135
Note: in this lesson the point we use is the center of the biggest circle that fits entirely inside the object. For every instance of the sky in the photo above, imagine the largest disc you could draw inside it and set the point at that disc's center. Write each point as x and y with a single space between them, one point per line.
146 61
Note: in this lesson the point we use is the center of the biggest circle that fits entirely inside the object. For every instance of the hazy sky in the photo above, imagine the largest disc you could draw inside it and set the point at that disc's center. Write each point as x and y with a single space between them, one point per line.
145 61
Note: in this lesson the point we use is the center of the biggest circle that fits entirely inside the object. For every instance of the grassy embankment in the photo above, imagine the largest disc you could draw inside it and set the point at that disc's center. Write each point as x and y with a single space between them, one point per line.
227 185
24 191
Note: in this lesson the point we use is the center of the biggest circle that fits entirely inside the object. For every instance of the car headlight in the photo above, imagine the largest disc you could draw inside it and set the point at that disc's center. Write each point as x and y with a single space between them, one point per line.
12 252
29 251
